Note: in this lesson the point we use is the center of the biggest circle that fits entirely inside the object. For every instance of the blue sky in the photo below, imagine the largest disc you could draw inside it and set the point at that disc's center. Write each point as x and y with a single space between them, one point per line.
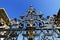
15 8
